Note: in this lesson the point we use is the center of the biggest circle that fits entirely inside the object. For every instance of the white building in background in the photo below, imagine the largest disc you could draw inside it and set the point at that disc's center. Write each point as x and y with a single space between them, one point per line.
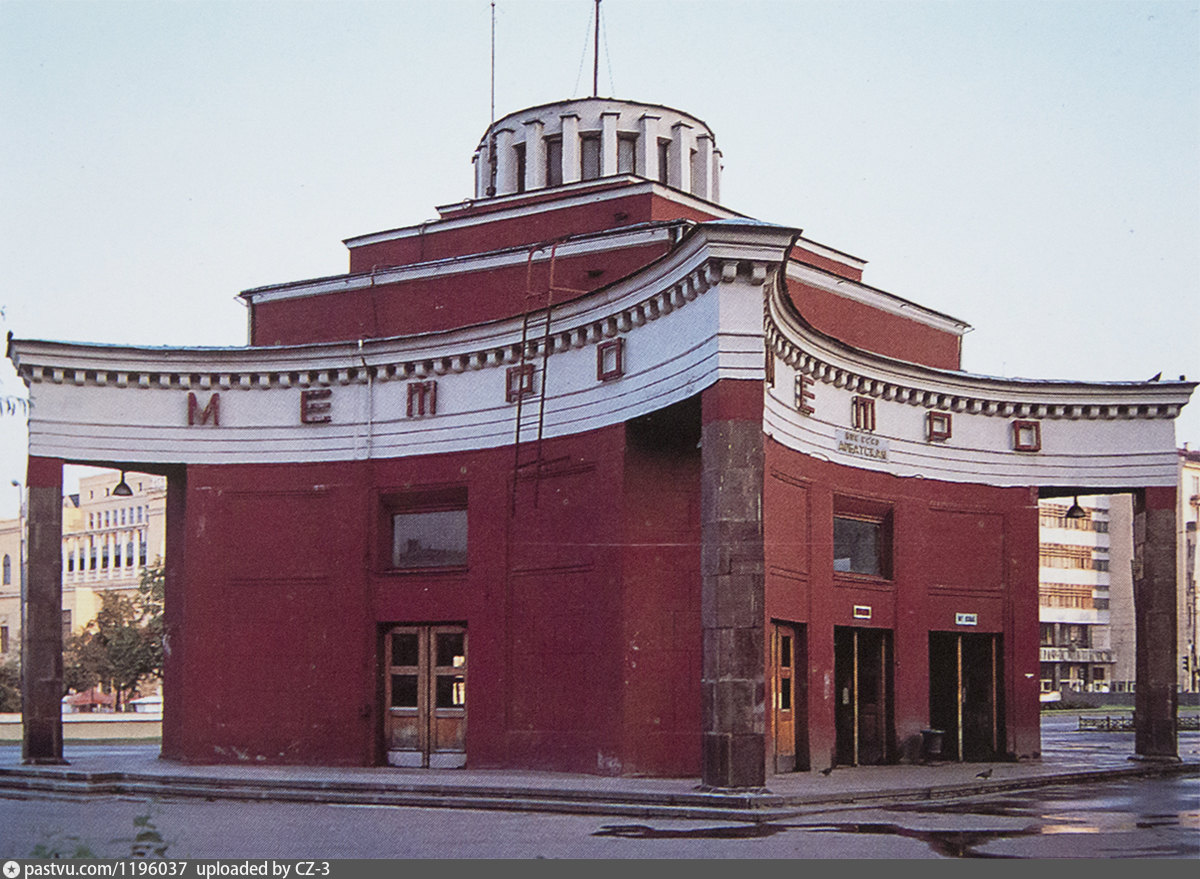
108 540
1112 622
1187 516
1081 558
10 589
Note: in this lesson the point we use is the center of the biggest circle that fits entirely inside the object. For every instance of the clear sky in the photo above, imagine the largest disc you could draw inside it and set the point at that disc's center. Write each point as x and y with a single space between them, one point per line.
1031 168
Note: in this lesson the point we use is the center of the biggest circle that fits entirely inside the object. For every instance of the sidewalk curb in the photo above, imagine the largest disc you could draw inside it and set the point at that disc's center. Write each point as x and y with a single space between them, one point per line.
757 807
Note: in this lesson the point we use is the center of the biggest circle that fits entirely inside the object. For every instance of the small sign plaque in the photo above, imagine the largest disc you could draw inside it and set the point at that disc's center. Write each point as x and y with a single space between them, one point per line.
862 611
861 444
966 619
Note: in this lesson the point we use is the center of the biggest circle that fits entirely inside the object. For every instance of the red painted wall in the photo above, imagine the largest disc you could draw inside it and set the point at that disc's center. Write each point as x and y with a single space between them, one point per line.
661 637
809 258
439 303
956 548
583 653
545 222
274 607
582 609
462 299
873 330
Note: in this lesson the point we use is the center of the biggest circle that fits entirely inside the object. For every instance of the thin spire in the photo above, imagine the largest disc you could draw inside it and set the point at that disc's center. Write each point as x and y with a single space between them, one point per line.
596 55
493 109
491 150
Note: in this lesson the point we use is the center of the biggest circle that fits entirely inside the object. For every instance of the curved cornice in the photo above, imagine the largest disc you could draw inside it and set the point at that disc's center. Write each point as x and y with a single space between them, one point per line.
830 361
709 254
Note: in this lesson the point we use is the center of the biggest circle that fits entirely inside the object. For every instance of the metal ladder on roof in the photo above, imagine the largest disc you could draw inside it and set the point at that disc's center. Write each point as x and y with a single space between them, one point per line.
539 306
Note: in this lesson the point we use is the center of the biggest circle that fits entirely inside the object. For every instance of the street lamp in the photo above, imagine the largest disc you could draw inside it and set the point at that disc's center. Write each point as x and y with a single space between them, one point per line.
122 489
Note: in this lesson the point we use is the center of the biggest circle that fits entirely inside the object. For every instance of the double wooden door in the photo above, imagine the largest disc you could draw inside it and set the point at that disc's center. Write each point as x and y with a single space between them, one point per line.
425 693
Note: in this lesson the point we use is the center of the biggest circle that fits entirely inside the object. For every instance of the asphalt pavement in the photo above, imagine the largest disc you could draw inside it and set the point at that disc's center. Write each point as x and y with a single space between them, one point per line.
1069 756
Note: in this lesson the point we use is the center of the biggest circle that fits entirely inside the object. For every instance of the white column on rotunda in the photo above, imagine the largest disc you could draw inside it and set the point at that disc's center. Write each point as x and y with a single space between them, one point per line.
570 148
679 160
702 185
481 170
608 143
506 164
535 154
647 147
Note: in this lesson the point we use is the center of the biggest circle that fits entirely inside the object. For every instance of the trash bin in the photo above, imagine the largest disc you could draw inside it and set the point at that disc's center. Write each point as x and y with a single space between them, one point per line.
931 744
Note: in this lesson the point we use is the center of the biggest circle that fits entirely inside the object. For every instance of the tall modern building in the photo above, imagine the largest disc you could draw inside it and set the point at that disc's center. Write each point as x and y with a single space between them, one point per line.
594 473
1081 556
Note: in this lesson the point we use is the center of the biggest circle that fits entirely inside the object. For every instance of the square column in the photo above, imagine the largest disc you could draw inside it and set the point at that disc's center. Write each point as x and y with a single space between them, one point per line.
1156 699
482 171
506 164
571 168
679 161
174 737
535 155
646 159
608 143
733 683
702 185
41 610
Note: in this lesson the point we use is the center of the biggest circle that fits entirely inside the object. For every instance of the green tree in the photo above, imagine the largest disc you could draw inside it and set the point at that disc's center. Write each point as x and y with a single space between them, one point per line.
151 599
10 684
84 662
122 647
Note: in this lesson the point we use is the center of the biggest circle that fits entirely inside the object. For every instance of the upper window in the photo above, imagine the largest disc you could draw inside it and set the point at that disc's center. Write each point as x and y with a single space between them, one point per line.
554 162
519 154
857 545
429 540
862 538
7 570
589 157
664 156
429 529
626 153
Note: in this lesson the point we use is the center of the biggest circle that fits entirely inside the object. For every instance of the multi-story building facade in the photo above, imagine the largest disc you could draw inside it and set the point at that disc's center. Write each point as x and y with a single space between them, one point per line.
108 539
1188 516
1122 620
1080 557
10 588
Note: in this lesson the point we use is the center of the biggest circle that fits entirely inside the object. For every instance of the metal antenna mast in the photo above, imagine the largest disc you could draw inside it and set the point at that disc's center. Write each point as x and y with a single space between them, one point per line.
493 116
491 187
596 55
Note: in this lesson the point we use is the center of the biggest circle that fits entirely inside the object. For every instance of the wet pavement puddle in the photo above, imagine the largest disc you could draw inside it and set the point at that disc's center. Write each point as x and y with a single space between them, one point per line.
947 843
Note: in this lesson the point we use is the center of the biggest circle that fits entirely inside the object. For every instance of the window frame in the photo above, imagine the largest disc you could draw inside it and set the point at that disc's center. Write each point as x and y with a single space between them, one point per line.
876 513
590 148
440 499
554 154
